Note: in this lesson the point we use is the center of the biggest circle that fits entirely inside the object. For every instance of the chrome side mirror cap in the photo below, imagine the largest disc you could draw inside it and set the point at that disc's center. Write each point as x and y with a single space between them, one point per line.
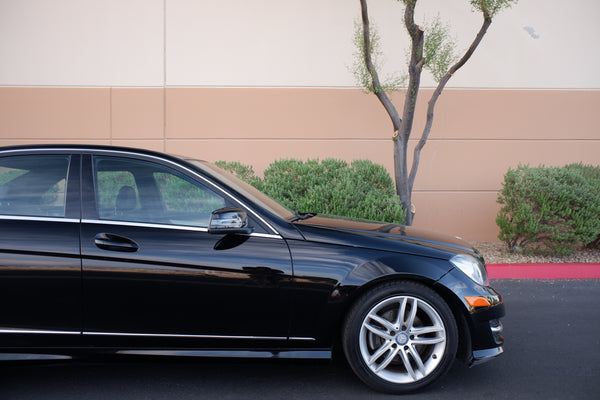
229 221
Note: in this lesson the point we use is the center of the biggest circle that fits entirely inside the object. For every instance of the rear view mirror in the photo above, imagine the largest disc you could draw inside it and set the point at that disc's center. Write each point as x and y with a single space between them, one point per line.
229 220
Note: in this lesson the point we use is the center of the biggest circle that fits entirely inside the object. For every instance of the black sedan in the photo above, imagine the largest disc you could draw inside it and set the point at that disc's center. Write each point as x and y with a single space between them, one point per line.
127 251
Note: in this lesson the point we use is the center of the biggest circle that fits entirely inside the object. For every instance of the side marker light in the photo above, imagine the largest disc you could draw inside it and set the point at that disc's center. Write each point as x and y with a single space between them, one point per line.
476 301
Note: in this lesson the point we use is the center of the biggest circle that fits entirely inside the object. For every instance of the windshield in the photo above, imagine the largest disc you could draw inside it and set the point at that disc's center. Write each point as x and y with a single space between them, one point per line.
245 189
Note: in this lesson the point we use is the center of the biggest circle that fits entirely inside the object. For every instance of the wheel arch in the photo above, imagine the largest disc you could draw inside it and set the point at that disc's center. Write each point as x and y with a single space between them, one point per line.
464 351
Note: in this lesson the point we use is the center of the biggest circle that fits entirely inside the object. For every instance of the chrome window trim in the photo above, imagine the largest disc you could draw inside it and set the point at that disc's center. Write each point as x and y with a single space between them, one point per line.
36 218
166 226
143 224
115 152
38 331
266 235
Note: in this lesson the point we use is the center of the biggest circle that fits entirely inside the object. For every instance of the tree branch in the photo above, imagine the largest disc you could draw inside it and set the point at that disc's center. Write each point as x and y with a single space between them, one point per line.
409 19
377 88
487 20
415 67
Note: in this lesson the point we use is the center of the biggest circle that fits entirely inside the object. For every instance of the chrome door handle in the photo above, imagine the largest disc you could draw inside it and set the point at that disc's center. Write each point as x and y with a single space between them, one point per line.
112 242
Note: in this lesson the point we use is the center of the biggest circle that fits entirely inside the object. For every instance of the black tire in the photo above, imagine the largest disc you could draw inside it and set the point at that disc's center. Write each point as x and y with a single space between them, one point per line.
393 349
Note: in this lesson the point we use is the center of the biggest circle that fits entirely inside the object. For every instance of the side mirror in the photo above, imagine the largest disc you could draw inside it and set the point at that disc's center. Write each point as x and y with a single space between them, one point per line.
229 220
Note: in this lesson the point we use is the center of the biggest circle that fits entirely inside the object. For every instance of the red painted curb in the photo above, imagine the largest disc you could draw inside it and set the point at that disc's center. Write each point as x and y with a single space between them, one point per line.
543 271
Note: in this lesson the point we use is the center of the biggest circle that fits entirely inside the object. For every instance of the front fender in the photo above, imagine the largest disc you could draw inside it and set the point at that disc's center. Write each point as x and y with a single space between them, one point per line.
405 265
328 277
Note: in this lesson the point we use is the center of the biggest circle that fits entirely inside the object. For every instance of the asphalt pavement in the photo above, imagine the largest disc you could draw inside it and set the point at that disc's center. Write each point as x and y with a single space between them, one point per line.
552 332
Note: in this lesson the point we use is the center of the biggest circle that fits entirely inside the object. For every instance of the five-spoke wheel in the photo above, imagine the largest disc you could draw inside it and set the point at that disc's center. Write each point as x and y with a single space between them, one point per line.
400 336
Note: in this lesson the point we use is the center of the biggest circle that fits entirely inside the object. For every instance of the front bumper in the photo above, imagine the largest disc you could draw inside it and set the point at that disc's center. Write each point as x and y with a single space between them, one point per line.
481 356
485 355
486 340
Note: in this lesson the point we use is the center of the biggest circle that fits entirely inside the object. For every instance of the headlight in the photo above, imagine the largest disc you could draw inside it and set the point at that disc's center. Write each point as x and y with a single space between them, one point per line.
472 267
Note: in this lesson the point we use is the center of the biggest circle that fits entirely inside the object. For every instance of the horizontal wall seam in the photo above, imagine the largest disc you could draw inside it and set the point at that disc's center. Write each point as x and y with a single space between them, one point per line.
78 140
160 86
428 88
415 139
235 139
316 140
78 87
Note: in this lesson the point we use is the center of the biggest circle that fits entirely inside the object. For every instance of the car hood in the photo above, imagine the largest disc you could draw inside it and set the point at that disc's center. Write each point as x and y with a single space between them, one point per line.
382 236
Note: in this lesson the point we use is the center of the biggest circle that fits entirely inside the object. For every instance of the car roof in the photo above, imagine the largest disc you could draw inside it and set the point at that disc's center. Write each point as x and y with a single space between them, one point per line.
93 147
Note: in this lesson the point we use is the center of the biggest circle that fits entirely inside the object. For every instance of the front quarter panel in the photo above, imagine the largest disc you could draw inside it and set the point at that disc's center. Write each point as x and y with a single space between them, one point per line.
477 318
328 277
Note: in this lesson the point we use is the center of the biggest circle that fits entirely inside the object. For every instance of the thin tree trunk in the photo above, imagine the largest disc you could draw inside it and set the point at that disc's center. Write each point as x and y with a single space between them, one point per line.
401 175
415 67
400 140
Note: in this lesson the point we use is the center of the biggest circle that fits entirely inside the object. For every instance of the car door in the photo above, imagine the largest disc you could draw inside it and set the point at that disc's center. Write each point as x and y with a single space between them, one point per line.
151 269
40 267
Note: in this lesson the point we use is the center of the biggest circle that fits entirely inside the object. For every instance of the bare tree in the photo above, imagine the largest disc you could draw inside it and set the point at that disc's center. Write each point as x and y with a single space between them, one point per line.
432 48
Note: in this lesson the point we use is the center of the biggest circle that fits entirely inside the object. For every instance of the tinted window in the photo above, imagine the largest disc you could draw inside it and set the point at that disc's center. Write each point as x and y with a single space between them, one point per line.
247 190
33 185
140 191
109 184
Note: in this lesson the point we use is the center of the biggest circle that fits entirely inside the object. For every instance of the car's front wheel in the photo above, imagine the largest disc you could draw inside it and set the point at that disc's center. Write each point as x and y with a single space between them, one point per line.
400 336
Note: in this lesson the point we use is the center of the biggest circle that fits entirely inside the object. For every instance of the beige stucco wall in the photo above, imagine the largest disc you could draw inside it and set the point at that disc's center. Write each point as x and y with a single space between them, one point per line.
259 80
478 134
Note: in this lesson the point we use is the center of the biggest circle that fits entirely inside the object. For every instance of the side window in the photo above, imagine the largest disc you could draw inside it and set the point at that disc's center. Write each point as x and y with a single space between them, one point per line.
141 191
185 202
112 184
33 185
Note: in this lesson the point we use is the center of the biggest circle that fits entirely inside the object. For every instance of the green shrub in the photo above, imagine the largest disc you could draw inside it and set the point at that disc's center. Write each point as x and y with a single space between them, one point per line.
242 171
182 195
361 189
550 208
358 190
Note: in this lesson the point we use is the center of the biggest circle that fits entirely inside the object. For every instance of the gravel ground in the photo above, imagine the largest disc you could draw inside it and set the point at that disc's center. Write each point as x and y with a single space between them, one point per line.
496 253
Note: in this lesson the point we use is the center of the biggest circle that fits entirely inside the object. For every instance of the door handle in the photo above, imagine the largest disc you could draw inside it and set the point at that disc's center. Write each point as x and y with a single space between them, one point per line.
112 242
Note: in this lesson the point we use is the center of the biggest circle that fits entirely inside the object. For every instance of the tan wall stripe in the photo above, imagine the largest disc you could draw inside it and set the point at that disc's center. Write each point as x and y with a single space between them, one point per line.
477 134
